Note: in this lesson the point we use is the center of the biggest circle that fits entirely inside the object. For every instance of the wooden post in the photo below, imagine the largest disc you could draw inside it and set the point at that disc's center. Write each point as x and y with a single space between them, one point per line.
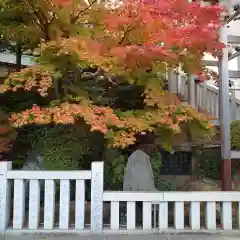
226 175
191 91
197 99
170 80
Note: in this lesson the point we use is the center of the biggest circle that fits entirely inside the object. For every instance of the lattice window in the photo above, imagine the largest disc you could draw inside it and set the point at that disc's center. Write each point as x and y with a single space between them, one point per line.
178 163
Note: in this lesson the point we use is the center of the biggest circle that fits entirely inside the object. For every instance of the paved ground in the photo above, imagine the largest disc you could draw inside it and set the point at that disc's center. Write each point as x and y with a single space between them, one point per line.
126 237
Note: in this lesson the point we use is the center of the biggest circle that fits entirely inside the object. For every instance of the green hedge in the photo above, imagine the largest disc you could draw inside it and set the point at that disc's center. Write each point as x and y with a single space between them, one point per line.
210 163
63 147
235 135
210 159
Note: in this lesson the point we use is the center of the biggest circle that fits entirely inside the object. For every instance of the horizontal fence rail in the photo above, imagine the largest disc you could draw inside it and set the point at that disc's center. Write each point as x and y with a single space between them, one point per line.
193 210
56 200
49 175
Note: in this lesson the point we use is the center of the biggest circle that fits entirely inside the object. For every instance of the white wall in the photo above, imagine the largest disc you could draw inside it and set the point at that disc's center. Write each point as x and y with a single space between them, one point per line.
7 57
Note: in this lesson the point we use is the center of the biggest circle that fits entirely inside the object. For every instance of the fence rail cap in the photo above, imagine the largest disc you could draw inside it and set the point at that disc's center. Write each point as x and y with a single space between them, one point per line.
118 196
49 175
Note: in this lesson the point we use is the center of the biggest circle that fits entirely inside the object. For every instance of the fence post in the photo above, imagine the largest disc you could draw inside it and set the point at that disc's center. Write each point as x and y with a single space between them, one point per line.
179 80
4 196
205 97
97 197
170 80
197 99
191 91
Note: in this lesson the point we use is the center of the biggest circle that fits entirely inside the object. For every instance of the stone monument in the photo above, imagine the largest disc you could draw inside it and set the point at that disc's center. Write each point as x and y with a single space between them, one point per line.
34 161
138 175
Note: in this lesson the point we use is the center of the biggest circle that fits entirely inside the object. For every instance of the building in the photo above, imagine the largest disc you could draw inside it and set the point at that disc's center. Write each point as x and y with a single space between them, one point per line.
8 62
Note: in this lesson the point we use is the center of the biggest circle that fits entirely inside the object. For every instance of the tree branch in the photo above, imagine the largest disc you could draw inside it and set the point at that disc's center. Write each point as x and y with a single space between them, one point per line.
75 18
53 17
41 21
39 24
129 29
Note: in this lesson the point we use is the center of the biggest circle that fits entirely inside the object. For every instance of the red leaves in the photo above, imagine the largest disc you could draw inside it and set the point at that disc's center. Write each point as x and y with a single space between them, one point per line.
7 134
177 24
140 33
4 129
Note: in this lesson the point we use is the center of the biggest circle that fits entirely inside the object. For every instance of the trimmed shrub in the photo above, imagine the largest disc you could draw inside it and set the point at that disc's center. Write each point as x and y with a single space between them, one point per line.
63 147
210 163
235 135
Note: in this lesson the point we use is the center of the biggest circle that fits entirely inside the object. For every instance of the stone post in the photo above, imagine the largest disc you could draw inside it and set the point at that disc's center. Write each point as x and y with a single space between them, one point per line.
4 196
97 197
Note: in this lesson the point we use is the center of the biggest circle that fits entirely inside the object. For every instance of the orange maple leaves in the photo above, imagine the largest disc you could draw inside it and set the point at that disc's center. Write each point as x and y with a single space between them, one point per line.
103 119
7 134
99 118
29 79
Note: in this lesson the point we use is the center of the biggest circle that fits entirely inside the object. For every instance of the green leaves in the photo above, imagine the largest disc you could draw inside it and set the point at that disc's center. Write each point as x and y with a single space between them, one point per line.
114 164
16 24
235 137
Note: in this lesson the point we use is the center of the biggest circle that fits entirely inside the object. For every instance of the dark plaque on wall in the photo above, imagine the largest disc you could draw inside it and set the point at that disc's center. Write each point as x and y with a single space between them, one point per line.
178 163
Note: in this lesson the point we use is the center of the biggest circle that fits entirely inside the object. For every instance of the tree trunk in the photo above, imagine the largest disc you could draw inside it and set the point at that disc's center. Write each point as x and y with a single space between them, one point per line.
18 57
46 32
56 89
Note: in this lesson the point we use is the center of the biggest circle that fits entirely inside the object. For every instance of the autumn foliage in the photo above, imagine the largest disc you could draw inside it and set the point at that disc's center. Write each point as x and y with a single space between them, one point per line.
144 34
132 46
7 135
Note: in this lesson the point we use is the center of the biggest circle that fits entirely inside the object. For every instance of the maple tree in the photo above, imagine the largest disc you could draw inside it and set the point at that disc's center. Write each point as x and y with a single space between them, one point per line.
110 72
25 24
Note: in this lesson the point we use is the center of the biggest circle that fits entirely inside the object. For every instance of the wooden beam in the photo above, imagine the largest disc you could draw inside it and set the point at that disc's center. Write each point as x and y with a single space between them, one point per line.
235 154
234 74
214 63
233 17
233 39
210 63
236 54
231 73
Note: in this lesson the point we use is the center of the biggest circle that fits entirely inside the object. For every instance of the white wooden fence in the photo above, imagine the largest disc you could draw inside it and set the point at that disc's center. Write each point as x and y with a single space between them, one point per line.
184 203
224 205
206 96
17 204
